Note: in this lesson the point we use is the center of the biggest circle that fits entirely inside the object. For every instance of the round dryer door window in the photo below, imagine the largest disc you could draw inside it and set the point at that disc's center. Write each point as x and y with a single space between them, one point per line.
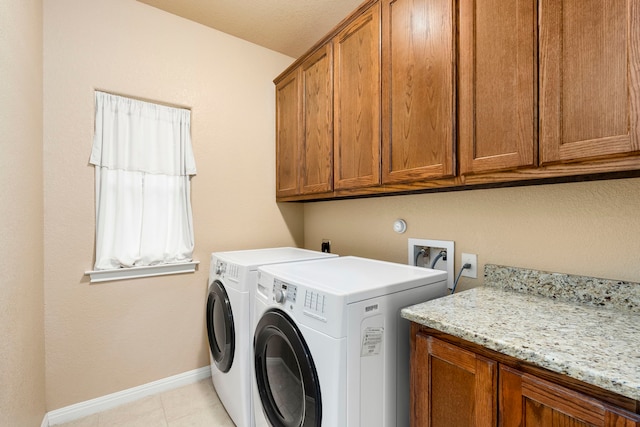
285 373
220 329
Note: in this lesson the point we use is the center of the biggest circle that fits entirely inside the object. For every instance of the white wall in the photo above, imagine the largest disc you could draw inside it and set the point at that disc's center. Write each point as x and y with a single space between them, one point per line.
22 372
588 228
108 337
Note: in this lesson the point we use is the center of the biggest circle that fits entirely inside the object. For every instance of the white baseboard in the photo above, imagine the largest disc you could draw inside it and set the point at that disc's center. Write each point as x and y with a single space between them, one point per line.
93 406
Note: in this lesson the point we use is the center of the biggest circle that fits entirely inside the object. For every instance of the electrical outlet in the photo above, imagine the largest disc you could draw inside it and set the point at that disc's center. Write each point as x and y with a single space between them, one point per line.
473 260
431 256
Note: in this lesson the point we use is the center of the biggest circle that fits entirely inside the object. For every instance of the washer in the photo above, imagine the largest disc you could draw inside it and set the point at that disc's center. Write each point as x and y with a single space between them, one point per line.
232 280
330 347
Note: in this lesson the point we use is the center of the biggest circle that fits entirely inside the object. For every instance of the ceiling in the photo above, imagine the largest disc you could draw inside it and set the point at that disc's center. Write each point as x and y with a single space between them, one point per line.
290 27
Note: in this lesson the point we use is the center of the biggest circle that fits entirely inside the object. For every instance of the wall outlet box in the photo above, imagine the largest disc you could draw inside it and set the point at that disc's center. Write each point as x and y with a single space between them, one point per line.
473 260
431 250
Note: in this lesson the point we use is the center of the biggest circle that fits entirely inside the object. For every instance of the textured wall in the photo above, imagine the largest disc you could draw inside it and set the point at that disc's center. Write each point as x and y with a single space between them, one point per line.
108 337
104 338
588 228
22 376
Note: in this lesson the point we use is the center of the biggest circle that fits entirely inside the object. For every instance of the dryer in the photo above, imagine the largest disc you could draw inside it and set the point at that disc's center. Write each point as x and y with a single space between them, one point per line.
330 347
229 308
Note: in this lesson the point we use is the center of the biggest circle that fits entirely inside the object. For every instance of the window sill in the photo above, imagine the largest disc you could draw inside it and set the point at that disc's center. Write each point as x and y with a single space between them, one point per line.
143 271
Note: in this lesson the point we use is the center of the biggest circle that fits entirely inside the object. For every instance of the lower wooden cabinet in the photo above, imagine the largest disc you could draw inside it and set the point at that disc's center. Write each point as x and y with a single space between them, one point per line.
526 400
453 385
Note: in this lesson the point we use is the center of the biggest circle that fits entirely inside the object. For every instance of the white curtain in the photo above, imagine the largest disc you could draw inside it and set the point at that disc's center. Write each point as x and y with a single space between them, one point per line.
143 166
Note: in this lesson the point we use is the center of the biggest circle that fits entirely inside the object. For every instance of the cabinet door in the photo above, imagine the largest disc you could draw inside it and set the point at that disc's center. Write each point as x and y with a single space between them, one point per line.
451 386
288 134
418 90
497 85
317 142
589 81
528 401
357 102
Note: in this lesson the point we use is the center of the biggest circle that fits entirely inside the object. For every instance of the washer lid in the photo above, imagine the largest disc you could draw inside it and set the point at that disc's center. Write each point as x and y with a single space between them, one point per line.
253 258
355 278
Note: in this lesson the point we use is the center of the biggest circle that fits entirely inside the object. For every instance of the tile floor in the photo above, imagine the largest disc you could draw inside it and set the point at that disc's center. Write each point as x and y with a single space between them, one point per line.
194 405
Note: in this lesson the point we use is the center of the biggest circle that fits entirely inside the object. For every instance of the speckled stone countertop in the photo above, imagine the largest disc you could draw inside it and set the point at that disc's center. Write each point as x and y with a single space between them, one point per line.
585 328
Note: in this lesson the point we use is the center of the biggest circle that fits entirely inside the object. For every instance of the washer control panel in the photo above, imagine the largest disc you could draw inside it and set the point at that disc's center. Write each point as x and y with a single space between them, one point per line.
283 292
227 269
314 301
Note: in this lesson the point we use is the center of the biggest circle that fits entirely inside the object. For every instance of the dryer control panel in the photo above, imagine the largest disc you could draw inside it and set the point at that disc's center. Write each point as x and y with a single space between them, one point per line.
220 267
283 292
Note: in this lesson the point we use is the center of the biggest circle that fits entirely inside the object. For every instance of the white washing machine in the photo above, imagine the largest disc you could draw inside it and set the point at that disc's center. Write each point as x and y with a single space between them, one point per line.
232 281
330 347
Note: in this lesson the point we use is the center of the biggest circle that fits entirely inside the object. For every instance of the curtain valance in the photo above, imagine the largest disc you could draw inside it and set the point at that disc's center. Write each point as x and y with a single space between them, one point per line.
139 136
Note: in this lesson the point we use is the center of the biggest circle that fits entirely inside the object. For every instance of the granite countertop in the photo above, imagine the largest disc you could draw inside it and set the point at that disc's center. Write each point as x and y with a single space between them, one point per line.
585 328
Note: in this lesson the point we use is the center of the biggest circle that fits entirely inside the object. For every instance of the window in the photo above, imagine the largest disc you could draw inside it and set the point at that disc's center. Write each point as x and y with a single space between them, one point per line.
143 167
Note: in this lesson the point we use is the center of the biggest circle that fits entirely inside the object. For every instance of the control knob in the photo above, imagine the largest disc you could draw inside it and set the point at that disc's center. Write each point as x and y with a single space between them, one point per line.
219 268
280 295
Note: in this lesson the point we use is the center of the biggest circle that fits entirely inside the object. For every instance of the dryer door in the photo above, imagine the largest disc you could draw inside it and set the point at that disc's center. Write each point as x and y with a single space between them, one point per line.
220 329
285 373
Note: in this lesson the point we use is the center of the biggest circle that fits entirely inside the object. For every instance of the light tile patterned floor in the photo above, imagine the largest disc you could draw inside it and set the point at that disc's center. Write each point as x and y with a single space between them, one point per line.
194 405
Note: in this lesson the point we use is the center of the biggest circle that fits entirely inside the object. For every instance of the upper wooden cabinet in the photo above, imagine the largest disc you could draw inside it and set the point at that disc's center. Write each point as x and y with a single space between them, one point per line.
317 138
497 110
421 95
589 79
288 134
304 127
357 102
418 89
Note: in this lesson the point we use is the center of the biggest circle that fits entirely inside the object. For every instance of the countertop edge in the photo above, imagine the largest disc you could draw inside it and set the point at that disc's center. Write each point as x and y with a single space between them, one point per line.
430 315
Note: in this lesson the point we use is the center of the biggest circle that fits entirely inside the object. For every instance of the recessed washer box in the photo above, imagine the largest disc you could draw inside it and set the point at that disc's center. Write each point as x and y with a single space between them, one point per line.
433 249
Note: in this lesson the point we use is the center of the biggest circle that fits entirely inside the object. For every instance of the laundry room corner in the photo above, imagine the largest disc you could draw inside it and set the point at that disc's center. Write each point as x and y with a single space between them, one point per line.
293 216
107 337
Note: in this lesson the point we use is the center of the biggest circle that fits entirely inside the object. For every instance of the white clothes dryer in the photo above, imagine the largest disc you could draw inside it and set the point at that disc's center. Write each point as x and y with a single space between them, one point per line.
330 347
229 308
